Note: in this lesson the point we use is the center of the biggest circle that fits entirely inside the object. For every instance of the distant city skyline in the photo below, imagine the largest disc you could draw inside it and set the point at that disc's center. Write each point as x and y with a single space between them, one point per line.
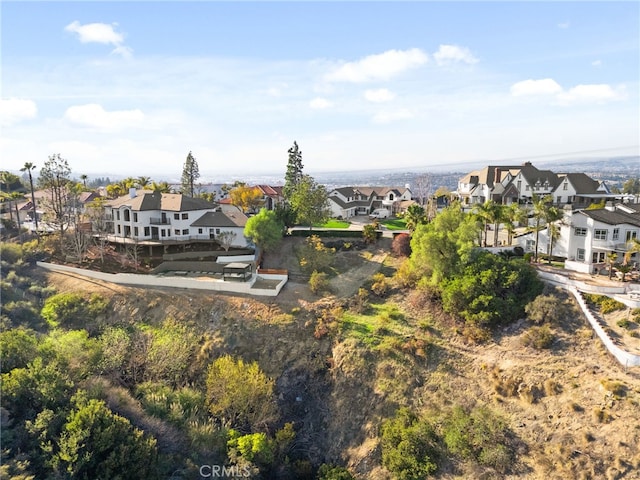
130 88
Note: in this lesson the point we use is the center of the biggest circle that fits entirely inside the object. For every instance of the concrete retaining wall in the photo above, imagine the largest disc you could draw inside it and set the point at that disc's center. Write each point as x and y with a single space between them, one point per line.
625 358
173 282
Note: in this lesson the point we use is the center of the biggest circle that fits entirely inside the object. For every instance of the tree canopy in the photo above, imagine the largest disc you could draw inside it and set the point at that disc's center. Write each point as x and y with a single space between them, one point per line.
310 202
293 176
190 173
264 229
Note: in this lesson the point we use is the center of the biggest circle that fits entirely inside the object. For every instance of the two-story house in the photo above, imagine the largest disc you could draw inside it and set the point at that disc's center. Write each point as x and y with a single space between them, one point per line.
154 218
586 237
347 202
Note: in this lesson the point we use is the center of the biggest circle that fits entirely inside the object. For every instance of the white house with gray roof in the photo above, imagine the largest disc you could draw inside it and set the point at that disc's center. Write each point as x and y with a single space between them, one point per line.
154 218
588 236
347 202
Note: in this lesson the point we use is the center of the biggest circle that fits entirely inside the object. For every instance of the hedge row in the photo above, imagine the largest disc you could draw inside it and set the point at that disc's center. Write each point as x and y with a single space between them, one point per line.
329 233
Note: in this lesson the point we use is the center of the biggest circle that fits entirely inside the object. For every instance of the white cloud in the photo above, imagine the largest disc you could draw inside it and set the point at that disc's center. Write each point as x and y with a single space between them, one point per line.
596 63
319 103
546 86
14 110
448 54
379 95
564 25
392 116
591 94
382 66
100 33
94 115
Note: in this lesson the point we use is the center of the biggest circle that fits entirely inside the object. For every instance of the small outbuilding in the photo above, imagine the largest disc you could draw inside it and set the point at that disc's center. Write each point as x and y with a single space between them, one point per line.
237 272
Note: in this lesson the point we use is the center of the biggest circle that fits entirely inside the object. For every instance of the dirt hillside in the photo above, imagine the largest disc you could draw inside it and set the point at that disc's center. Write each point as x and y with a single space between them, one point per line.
572 410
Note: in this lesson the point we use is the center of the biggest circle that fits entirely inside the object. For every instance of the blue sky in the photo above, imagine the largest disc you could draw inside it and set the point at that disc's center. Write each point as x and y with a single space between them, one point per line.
129 88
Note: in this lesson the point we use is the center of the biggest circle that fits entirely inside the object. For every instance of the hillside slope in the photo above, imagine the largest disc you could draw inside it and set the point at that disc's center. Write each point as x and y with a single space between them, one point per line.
571 410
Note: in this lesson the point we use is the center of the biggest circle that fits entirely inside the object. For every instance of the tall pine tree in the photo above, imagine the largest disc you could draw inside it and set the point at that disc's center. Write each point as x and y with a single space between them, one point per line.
190 173
294 171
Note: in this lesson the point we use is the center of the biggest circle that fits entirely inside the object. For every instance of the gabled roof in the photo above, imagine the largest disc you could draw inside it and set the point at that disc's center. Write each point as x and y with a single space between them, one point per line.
532 175
270 191
221 220
582 183
616 217
146 200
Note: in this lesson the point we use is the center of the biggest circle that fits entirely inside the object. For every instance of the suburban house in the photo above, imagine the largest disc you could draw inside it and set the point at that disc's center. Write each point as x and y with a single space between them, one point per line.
518 184
346 202
587 236
272 196
154 218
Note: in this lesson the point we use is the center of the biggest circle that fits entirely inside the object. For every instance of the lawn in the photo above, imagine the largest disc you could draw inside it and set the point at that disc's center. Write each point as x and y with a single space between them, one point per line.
333 223
394 223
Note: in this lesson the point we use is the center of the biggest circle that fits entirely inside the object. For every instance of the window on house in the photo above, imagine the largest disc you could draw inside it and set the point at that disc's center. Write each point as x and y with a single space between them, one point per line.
176 216
126 216
597 257
565 186
185 216
199 230
147 231
117 214
163 233
580 232
217 231
135 231
580 255
519 185
530 245
559 199
176 231
616 234
600 234
119 229
631 234
391 196
135 216
185 231
526 187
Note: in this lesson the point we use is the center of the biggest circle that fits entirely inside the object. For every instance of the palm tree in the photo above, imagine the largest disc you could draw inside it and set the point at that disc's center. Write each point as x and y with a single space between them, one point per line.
483 213
552 215
162 187
633 246
414 216
540 205
611 259
84 177
28 166
514 214
143 182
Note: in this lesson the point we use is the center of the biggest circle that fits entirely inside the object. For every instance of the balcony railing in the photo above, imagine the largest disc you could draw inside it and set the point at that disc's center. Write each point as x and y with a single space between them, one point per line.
159 221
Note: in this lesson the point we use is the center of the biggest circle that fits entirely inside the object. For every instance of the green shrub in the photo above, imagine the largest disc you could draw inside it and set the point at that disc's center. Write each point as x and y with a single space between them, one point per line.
314 255
380 285
478 435
624 323
10 252
331 472
318 282
538 337
545 309
409 446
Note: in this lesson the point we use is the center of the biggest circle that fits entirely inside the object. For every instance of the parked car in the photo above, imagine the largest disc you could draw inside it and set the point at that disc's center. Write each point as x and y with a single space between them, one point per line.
379 213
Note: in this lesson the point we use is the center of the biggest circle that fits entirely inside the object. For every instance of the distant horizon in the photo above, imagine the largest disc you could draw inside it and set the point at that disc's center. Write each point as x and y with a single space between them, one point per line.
429 85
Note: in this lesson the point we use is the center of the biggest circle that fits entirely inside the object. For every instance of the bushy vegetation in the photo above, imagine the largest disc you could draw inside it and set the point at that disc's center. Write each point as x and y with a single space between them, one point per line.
318 282
315 256
413 446
604 303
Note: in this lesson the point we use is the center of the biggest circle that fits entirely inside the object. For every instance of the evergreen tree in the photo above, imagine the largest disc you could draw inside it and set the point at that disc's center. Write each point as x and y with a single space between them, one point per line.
294 171
190 173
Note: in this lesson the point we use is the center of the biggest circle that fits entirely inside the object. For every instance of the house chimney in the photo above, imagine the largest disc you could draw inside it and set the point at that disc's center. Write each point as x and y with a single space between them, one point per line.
132 192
